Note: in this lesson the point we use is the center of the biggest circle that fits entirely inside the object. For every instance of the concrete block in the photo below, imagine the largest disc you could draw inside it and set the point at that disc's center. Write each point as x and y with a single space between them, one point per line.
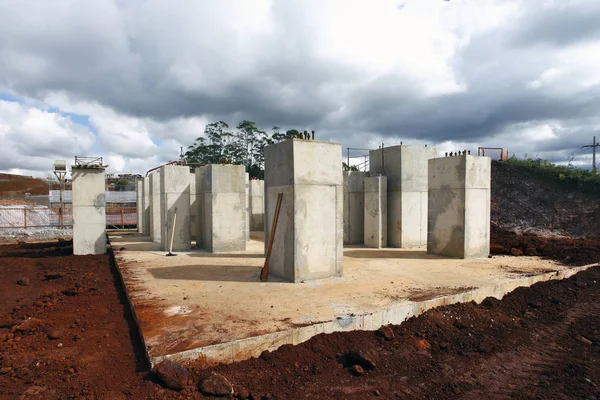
459 206
193 207
139 206
89 212
146 205
354 207
375 214
221 199
406 170
308 241
257 205
175 199
155 211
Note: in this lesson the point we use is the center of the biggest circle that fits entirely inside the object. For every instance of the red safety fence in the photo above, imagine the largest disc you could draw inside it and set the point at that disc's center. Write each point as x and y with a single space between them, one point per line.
44 217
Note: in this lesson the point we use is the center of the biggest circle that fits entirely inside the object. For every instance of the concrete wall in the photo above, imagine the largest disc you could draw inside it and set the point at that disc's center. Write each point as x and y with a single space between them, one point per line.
155 212
139 206
89 212
221 202
406 170
175 196
146 205
354 206
257 205
247 205
309 236
459 206
193 207
375 214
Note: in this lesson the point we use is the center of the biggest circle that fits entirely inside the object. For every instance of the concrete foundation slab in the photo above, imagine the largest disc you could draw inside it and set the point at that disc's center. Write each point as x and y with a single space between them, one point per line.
207 308
309 236
406 170
221 202
354 206
89 212
375 214
175 199
155 212
459 206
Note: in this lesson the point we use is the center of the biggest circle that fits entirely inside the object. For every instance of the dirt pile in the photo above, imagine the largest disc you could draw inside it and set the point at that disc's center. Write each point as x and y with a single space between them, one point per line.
534 200
570 251
12 185
64 330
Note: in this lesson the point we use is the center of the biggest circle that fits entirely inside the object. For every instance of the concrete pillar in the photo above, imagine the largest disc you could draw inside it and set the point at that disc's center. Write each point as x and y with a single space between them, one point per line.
257 205
89 212
354 207
139 206
459 206
156 215
375 233
247 205
309 236
221 202
406 170
146 205
175 196
193 207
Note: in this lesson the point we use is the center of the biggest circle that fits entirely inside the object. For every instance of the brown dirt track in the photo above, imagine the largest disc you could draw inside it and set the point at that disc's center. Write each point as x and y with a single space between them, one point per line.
539 342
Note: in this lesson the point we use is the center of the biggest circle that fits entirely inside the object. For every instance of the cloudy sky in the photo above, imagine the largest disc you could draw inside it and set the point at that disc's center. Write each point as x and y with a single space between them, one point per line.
134 80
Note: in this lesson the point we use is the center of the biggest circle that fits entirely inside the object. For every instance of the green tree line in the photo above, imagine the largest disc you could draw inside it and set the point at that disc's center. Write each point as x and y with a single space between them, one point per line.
243 146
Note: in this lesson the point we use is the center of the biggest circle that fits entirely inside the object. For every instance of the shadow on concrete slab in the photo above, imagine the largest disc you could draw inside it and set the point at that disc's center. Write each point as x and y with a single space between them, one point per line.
217 273
388 253
224 255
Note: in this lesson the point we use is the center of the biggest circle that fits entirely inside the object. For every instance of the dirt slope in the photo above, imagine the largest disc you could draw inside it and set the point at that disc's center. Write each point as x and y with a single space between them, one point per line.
534 200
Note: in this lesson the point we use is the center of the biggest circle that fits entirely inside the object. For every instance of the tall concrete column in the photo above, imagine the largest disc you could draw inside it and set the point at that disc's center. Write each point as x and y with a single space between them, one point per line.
247 205
309 236
221 202
406 170
175 200
459 206
375 232
139 206
354 207
193 207
156 214
146 205
89 212
257 205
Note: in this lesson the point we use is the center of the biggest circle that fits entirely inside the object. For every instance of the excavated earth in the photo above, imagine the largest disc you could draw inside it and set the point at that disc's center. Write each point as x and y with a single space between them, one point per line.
66 331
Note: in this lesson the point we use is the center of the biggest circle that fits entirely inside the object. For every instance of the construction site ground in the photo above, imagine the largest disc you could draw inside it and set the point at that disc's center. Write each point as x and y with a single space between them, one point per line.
66 331
208 308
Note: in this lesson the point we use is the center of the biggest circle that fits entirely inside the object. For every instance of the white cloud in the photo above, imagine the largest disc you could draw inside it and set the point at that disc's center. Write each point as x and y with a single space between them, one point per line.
32 138
150 74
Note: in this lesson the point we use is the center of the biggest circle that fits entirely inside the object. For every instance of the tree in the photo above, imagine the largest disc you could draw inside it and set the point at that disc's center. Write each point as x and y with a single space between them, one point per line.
346 167
244 147
216 147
